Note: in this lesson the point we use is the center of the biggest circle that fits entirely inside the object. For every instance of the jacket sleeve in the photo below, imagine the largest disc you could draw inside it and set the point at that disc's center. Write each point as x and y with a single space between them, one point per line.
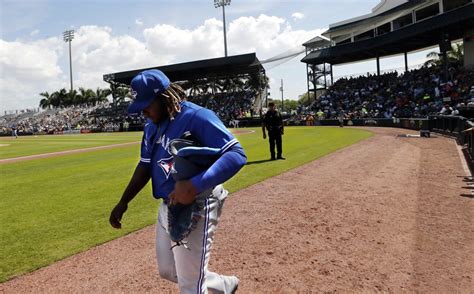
211 132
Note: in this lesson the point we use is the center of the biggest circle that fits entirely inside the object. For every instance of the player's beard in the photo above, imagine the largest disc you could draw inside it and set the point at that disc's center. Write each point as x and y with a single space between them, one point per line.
159 111
162 111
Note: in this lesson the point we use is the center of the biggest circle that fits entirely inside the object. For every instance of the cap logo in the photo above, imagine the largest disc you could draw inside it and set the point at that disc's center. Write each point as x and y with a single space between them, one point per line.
156 90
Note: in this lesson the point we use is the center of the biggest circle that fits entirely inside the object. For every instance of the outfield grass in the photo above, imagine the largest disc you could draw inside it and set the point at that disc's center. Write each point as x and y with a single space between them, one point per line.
55 207
31 145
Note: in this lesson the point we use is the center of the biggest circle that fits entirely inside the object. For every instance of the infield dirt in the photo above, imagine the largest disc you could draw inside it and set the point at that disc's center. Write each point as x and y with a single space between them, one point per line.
387 214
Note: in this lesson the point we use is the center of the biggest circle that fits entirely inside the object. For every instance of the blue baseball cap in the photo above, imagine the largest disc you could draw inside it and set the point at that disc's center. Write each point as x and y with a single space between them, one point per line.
145 87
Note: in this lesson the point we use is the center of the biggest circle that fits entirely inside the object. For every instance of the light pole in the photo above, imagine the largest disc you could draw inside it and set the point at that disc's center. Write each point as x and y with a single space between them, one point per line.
281 89
223 3
68 36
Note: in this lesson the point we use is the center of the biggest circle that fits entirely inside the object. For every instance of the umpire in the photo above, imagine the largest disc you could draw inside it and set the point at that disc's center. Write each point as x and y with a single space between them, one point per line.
273 122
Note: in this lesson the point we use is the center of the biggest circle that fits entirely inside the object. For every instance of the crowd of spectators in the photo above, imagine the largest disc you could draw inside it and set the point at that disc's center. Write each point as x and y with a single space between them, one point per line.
414 94
106 118
60 120
227 106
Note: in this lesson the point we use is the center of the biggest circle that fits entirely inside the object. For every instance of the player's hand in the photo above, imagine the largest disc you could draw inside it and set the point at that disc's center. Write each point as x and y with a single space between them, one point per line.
116 215
184 192
264 136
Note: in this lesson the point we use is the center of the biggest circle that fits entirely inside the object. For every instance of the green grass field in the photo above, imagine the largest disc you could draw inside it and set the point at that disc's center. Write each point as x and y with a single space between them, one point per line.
30 145
55 207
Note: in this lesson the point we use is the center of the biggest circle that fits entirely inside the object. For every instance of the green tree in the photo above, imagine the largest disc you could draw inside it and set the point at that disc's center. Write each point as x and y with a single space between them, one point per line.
46 101
85 96
193 86
234 84
256 82
69 99
101 95
213 85
288 105
120 94
455 56
306 99
58 98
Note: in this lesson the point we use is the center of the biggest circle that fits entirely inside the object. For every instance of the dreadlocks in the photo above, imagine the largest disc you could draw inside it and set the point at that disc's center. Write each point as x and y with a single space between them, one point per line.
171 99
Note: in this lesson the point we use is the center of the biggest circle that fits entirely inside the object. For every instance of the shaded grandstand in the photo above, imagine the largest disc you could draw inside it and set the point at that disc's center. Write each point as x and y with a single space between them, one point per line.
233 87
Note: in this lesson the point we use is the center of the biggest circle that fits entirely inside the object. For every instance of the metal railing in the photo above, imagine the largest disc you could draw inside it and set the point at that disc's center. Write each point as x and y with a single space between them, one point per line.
468 139
453 126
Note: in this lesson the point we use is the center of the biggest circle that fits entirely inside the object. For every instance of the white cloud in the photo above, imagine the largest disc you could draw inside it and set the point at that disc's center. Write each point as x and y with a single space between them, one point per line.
34 33
271 36
297 15
28 68
139 22
172 44
267 35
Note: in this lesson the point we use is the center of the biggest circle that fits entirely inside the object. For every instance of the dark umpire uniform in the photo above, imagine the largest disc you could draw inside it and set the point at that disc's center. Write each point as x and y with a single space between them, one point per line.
273 122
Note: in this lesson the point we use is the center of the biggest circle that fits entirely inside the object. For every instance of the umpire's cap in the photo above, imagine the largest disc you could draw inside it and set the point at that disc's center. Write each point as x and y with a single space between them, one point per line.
145 87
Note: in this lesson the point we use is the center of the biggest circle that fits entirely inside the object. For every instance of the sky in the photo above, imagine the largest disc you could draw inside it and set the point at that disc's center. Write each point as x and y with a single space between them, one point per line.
119 35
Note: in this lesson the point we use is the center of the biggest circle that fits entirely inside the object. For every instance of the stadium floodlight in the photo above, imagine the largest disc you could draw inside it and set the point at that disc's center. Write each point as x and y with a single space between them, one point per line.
68 36
223 4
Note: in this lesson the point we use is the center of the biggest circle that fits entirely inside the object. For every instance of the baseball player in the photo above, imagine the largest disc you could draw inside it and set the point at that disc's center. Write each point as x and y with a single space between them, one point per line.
169 117
341 115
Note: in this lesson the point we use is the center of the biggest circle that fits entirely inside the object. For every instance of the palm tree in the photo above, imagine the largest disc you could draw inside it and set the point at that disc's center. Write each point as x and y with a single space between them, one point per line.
256 82
455 55
101 95
433 59
69 99
57 98
120 94
46 101
214 85
85 96
194 87
234 84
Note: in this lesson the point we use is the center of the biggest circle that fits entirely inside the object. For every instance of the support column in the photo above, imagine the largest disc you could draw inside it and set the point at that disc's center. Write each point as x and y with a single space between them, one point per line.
406 62
444 55
378 66
315 81
444 47
332 77
468 41
308 76
324 73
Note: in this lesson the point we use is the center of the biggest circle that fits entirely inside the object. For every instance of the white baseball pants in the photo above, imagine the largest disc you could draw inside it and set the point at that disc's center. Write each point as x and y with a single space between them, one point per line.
188 266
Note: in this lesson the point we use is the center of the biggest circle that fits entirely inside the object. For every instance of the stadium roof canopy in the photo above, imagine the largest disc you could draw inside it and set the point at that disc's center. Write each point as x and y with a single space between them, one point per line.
317 42
413 36
208 68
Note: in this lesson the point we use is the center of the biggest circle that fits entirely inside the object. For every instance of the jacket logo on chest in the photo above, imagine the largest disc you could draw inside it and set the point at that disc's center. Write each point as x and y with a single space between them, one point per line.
164 141
166 165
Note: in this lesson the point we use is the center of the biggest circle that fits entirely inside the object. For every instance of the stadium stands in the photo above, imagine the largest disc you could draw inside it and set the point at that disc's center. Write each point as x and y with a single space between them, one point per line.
414 94
106 118
227 106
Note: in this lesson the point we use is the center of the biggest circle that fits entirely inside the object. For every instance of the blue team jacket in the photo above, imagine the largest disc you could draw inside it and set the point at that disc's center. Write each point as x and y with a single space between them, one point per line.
207 128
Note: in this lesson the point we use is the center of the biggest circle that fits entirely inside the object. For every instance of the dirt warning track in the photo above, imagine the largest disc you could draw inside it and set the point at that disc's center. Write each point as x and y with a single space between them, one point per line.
388 214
